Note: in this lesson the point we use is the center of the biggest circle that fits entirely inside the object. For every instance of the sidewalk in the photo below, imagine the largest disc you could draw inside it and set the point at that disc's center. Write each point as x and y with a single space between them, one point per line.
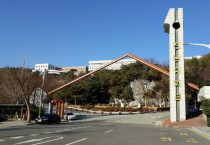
196 124
12 123
17 123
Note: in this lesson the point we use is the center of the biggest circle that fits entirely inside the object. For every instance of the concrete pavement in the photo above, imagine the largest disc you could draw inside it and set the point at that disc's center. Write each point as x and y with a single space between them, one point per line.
197 124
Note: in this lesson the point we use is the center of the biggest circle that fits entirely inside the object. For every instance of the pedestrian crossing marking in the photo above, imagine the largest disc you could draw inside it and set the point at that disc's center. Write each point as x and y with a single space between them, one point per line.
183 134
191 140
163 133
166 139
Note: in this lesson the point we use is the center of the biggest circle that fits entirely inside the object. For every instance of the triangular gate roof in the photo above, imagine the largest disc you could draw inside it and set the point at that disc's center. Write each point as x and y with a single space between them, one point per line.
127 55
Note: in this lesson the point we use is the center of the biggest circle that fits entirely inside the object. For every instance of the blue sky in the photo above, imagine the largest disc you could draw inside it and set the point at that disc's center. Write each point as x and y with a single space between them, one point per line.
73 32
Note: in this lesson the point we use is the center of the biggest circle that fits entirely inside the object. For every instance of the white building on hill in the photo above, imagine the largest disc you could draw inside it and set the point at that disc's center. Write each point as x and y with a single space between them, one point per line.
48 68
93 65
191 57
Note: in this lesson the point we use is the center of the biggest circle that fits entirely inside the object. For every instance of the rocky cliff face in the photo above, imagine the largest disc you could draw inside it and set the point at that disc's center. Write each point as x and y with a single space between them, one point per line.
139 87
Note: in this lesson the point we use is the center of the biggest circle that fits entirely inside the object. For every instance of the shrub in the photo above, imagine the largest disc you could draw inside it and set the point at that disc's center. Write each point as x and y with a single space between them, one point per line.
112 109
205 103
88 107
163 108
208 121
82 106
130 109
145 109
206 110
140 110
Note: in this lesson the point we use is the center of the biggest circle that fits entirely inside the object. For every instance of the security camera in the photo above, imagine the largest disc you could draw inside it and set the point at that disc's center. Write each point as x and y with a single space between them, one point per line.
176 25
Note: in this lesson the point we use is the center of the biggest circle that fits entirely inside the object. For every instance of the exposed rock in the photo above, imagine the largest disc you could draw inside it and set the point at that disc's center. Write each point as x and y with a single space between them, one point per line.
133 103
139 87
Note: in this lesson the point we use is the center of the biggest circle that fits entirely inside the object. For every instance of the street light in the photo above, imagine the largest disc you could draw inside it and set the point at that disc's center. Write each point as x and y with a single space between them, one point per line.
145 87
41 97
205 45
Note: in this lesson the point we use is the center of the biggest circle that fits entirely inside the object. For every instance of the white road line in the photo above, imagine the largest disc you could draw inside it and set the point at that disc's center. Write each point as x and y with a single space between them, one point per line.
108 131
48 141
34 134
2 140
17 137
47 132
76 141
83 127
32 140
58 131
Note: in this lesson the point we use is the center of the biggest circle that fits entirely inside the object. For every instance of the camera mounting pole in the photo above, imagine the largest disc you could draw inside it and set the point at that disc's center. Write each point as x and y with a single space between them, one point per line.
173 25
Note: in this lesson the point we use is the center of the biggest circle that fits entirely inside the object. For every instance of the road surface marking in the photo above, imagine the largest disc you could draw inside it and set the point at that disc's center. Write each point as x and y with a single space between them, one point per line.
162 128
76 141
58 131
2 140
47 132
17 137
48 141
108 131
34 134
191 140
183 134
32 140
66 129
201 134
166 139
159 123
83 127
105 123
163 133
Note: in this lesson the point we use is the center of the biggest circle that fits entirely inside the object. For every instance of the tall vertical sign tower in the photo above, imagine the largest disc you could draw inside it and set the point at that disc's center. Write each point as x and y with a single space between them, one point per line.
173 25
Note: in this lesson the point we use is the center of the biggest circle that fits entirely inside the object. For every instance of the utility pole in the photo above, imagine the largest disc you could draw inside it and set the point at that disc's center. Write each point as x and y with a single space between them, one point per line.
41 97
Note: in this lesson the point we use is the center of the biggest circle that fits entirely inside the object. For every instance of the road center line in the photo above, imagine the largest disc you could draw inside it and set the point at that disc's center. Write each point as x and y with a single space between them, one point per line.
76 141
17 137
47 132
32 140
2 140
58 131
48 141
108 131
34 134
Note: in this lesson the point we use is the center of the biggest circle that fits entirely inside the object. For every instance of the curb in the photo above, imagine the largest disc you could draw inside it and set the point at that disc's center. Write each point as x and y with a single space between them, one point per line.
197 131
107 113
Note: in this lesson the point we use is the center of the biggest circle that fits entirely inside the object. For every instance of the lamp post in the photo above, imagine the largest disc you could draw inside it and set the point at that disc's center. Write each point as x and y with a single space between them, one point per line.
205 45
145 86
40 107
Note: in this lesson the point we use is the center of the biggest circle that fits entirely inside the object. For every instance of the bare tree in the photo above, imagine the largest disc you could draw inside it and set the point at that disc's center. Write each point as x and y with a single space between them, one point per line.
19 85
9 86
28 83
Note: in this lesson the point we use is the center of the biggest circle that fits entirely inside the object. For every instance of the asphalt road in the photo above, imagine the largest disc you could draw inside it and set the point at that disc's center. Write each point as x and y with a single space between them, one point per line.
98 132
